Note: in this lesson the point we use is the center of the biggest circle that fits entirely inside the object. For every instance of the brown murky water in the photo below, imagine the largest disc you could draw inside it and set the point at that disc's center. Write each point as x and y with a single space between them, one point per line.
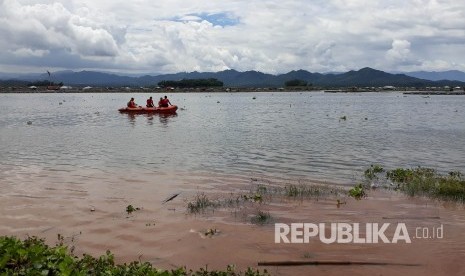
88 209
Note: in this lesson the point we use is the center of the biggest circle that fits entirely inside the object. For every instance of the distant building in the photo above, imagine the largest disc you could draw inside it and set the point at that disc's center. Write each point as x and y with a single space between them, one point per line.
389 87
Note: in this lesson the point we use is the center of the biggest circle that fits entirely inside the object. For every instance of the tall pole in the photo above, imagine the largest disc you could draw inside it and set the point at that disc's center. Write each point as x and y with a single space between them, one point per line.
49 78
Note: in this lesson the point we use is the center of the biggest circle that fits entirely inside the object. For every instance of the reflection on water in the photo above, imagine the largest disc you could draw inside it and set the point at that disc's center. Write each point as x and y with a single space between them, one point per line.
132 118
275 134
149 117
165 118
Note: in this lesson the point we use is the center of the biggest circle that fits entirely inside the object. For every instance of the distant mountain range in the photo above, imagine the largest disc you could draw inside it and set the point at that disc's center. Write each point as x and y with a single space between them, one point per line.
436 76
232 78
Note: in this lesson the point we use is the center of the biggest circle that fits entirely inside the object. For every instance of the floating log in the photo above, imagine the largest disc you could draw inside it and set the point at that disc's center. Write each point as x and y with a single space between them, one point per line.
301 263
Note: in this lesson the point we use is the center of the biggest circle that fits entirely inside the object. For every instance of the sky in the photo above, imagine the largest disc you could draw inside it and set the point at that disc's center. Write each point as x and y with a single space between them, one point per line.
271 36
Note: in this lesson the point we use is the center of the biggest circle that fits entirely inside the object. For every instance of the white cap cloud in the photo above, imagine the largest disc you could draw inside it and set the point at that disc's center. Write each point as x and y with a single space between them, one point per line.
271 36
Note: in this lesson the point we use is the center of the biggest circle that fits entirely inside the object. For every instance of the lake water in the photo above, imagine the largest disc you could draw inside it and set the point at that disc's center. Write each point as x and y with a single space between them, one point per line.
279 134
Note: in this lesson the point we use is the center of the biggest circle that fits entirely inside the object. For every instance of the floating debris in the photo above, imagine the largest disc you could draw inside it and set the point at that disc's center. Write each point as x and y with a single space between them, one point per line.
339 203
332 263
130 209
253 98
211 232
173 196
343 117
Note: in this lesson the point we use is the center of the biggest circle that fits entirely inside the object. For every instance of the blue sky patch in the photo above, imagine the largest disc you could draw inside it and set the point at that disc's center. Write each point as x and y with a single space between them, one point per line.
218 19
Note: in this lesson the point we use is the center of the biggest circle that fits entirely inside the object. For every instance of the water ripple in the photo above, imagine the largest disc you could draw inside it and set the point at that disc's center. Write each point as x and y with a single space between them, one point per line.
276 134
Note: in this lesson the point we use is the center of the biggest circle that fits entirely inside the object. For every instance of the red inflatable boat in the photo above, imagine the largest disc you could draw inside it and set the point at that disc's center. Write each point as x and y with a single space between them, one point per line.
141 110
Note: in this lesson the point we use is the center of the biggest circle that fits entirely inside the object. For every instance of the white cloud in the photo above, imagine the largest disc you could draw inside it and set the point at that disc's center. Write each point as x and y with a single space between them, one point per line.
25 53
272 36
400 51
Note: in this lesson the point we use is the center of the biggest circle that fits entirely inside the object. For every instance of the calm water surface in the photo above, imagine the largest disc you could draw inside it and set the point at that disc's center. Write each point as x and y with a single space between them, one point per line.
284 135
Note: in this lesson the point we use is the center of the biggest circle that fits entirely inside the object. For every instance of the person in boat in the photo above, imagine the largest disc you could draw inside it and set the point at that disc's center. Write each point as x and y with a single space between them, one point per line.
150 102
160 102
165 102
132 104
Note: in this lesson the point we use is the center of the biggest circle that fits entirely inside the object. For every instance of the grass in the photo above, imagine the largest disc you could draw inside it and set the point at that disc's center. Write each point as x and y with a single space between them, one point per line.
309 191
200 203
261 218
251 202
422 182
33 257
300 191
357 192
372 172
428 182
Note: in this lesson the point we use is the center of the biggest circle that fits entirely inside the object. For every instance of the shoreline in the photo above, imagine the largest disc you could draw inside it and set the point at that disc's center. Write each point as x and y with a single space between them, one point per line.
406 91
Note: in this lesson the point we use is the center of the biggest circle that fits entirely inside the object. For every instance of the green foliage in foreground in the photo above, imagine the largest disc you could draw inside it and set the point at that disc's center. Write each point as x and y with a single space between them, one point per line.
33 257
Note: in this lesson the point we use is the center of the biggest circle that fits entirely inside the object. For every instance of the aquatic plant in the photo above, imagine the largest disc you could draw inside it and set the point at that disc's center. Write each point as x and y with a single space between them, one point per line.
33 257
261 218
358 192
130 209
260 195
254 197
211 232
419 181
372 172
291 191
339 203
456 174
428 182
310 191
200 203
399 175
